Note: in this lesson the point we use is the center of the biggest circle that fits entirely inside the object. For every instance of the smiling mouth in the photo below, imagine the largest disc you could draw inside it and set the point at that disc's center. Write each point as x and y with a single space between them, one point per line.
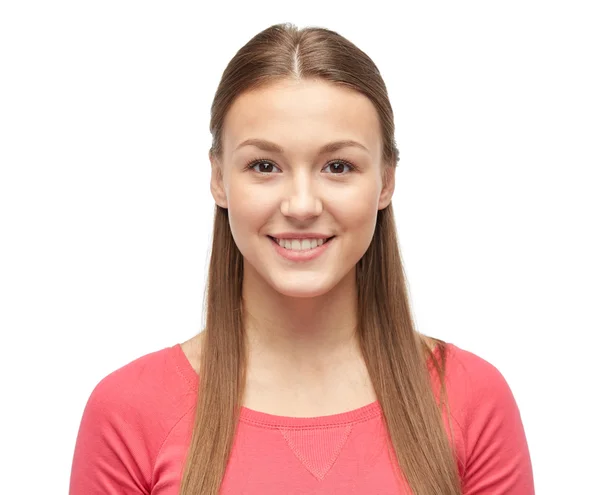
300 244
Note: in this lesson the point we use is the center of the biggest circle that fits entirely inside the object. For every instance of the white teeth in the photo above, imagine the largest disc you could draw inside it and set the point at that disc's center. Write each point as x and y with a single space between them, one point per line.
300 244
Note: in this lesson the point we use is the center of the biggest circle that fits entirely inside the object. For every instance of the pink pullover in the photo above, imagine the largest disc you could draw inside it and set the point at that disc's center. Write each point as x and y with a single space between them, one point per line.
136 426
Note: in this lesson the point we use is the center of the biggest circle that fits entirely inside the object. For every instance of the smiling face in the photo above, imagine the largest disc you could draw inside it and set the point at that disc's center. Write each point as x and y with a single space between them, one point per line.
281 176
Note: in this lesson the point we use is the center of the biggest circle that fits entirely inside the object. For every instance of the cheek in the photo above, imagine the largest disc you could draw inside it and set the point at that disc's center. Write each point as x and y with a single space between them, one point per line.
357 219
248 211
357 212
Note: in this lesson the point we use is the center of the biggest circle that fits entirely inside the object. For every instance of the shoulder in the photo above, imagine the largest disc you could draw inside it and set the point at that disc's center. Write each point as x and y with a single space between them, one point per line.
133 408
132 380
192 350
477 389
476 380
149 384
495 450
127 417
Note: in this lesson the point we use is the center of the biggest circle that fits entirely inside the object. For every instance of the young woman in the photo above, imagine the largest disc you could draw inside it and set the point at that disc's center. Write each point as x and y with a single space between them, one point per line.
310 377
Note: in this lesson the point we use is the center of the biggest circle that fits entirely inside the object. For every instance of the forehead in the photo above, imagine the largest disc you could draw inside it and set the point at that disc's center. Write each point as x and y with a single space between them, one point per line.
302 115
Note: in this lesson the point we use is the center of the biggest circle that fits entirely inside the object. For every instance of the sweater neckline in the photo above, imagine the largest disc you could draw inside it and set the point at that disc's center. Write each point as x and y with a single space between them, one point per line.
254 417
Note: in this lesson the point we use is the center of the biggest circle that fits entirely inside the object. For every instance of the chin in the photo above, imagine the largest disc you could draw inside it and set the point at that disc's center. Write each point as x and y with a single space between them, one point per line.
301 292
301 288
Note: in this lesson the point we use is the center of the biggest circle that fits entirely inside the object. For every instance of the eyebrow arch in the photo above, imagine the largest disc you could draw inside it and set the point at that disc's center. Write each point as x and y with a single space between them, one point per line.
265 145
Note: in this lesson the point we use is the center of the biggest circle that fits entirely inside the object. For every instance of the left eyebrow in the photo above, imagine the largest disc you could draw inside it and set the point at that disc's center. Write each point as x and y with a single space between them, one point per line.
265 145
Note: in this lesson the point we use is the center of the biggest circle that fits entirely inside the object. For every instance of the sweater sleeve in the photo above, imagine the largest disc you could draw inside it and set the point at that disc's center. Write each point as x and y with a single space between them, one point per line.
497 454
111 455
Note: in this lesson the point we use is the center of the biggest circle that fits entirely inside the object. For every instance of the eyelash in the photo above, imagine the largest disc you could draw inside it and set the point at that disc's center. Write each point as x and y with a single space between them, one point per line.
336 160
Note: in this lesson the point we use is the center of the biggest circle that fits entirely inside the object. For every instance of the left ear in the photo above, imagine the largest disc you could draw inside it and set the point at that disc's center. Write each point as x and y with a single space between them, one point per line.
389 183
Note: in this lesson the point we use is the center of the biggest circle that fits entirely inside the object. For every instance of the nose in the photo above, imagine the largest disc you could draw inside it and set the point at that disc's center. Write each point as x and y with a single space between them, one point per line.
301 200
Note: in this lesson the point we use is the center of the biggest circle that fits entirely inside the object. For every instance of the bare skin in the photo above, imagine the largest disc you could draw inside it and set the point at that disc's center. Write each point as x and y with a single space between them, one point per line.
345 386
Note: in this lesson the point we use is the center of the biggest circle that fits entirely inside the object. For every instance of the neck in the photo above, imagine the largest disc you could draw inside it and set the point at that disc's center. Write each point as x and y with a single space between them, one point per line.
301 334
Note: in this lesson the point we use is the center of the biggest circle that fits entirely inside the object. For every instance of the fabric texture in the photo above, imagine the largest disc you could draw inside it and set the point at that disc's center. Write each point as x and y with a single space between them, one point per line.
137 424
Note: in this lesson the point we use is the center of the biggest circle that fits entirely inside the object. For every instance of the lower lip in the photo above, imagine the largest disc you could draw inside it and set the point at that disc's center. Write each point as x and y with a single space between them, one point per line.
304 255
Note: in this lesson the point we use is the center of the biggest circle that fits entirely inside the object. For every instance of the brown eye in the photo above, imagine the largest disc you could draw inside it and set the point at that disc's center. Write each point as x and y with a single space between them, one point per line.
337 167
263 167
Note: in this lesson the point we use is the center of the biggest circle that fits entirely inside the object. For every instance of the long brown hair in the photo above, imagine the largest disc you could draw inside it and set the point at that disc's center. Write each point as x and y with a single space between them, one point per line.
394 352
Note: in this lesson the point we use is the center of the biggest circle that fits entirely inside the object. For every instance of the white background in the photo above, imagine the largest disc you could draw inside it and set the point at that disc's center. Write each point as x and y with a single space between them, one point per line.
105 209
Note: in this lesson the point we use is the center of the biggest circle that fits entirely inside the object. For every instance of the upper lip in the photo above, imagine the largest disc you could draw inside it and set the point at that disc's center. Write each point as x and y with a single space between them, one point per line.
301 235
